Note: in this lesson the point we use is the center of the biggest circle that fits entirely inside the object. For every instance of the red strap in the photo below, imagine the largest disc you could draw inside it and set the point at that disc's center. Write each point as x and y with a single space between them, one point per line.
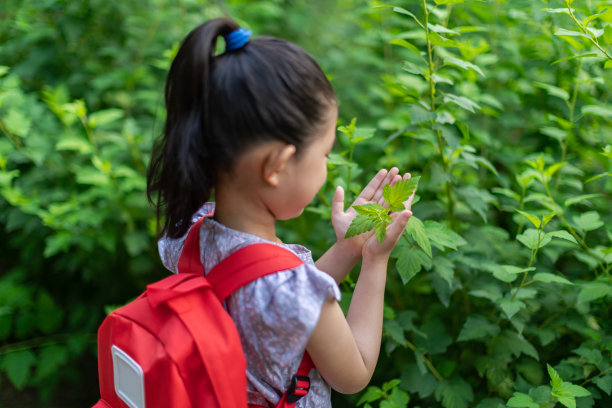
189 262
248 264
239 269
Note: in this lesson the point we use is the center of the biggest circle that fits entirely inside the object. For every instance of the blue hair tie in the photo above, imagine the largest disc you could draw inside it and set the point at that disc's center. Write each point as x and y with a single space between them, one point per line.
237 39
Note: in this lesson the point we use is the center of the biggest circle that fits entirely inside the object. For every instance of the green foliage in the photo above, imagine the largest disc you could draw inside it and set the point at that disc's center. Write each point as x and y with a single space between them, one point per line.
378 217
502 108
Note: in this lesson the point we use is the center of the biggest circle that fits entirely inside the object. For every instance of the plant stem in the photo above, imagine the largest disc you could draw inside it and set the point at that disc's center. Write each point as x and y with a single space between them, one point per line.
450 202
585 31
426 361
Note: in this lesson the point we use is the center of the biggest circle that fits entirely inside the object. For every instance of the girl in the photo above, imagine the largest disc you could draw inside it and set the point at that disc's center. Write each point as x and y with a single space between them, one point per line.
254 125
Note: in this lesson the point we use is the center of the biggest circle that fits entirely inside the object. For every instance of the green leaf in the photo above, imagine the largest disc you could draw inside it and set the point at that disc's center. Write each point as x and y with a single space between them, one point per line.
463 64
370 209
575 390
549 277
410 262
573 57
439 2
416 230
370 395
530 239
604 383
401 10
511 307
440 29
534 220
461 101
580 198
442 237
507 273
439 41
104 117
570 33
588 221
454 393
478 327
407 45
562 234
555 380
17 123
361 223
550 171
554 90
521 400
591 291
398 193
17 367
399 398
597 110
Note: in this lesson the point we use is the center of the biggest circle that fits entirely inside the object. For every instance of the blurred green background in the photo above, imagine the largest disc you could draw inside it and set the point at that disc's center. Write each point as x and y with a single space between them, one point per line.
499 295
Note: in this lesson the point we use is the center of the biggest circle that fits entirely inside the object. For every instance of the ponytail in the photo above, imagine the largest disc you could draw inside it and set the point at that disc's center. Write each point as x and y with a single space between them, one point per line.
184 183
218 106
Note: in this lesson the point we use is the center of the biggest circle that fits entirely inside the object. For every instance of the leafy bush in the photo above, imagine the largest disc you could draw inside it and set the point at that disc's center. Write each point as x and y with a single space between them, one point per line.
499 295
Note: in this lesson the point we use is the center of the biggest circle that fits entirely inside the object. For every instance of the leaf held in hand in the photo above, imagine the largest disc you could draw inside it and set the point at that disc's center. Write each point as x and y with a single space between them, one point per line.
398 193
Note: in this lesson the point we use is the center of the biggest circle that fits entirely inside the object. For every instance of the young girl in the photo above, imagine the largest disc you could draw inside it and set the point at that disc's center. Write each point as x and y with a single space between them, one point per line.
255 125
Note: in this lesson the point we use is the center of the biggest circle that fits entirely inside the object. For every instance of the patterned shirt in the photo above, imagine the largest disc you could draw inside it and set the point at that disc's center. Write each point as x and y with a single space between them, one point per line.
275 315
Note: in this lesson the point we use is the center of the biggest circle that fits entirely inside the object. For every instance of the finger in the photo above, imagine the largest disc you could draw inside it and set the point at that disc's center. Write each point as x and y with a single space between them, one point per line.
378 196
397 227
373 186
337 206
407 176
408 203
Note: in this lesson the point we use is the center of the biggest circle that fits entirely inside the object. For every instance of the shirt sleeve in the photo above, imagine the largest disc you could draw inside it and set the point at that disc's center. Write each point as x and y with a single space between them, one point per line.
276 316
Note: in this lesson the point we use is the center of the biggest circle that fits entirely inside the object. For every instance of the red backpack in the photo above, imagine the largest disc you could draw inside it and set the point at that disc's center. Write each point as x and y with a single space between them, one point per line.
176 346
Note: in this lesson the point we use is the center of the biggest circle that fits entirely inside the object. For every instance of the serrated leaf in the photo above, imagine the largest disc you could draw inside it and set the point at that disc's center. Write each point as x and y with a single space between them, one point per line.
511 307
588 221
580 198
439 41
104 117
575 390
370 209
554 90
597 110
17 367
604 383
455 393
534 220
520 400
555 379
407 45
461 101
416 230
360 224
530 239
372 394
477 327
570 33
591 291
398 193
463 64
410 262
550 277
562 234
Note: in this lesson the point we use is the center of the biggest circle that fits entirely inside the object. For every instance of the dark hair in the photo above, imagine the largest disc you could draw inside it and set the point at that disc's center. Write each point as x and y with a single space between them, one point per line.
218 106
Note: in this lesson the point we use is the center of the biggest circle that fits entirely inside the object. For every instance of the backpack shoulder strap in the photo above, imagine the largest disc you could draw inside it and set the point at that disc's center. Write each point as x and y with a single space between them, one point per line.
240 268
248 264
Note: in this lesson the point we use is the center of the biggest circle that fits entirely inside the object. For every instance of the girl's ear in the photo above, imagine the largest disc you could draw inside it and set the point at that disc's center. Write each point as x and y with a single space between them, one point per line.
275 162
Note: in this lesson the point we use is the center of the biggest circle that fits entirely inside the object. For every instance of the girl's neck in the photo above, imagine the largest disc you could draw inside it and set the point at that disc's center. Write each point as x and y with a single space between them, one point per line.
244 214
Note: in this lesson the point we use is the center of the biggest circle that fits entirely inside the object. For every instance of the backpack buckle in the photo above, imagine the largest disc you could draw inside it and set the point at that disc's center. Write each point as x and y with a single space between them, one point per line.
300 385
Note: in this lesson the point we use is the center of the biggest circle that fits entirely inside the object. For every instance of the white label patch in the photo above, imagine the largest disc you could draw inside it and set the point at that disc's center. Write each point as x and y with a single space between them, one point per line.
129 379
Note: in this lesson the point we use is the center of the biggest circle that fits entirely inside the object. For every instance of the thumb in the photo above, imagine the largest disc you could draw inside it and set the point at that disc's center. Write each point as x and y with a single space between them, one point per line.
337 206
396 229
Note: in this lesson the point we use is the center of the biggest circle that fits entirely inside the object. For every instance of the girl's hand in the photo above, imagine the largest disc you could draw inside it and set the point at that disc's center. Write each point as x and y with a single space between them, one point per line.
372 193
375 249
